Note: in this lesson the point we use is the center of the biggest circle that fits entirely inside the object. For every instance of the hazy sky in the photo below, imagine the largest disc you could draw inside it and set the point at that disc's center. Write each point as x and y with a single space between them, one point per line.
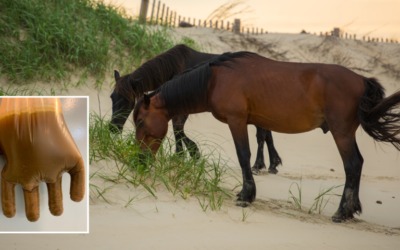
378 18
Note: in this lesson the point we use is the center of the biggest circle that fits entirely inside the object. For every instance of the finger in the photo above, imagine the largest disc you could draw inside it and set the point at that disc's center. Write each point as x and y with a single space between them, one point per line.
55 198
7 198
32 204
77 190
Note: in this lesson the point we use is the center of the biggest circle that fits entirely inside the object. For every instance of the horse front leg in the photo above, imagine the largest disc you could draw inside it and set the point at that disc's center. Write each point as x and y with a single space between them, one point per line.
178 124
178 133
238 129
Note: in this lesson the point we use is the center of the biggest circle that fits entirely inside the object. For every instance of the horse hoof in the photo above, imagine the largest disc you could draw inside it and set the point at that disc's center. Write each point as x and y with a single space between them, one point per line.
241 204
259 166
272 171
336 220
255 171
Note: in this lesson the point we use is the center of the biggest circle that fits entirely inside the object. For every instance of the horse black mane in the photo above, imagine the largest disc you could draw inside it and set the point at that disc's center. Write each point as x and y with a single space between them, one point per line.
189 89
148 76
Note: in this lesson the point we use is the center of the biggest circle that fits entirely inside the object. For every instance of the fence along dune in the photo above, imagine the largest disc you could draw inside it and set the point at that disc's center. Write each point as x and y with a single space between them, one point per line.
223 13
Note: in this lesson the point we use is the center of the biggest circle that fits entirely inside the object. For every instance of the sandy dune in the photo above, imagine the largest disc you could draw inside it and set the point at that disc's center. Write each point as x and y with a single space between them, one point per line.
170 222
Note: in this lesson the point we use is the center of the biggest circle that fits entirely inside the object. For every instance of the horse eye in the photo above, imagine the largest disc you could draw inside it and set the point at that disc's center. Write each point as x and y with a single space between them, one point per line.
141 123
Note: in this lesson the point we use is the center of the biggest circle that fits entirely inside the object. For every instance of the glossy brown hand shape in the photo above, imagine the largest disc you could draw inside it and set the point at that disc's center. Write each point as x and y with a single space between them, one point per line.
38 148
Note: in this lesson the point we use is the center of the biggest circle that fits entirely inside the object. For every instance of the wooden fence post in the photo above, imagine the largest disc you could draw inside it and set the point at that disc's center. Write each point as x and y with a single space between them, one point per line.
188 20
262 31
242 30
222 24
248 32
216 24
179 21
205 23
143 11
227 26
152 12
199 22
210 24
162 14
252 31
175 19
158 10
237 26
170 18
336 32
166 17
194 21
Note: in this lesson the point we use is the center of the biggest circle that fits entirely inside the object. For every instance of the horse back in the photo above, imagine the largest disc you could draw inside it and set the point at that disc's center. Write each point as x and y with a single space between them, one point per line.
283 96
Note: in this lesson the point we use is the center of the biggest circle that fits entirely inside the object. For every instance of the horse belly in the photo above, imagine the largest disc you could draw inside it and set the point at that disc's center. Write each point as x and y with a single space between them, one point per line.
287 116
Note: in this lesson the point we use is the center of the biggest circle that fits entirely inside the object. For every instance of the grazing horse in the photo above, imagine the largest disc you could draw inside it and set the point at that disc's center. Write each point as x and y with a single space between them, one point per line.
155 73
245 88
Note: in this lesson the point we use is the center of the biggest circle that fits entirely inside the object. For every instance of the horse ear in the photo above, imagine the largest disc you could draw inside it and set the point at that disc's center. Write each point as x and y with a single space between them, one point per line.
146 100
116 74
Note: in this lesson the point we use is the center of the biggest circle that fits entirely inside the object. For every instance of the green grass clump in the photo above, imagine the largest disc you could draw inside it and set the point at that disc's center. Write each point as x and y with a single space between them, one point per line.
324 196
297 200
320 202
204 178
14 90
47 39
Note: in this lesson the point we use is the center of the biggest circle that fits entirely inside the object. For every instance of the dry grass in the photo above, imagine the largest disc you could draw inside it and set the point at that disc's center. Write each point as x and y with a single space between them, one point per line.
253 44
231 9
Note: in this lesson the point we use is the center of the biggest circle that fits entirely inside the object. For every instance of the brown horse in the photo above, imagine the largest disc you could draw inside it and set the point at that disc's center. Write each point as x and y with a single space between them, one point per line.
244 88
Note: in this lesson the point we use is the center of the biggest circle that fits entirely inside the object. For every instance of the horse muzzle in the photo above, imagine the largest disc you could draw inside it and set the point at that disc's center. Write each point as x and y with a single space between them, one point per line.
115 128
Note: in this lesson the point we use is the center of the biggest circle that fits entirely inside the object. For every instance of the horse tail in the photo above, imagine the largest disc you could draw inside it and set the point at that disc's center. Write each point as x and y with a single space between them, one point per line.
377 115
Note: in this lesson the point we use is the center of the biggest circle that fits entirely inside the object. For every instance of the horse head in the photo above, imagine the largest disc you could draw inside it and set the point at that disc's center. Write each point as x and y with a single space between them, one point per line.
151 120
121 107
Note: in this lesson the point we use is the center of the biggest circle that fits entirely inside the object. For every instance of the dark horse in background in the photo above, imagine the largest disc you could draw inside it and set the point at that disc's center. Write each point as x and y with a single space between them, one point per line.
245 88
154 73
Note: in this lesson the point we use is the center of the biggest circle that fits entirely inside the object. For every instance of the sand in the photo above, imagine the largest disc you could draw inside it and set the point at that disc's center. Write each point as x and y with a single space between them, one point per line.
170 222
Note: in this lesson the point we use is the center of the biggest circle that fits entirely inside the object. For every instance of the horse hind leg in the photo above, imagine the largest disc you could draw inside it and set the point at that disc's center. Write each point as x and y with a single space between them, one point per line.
352 160
259 164
274 159
178 124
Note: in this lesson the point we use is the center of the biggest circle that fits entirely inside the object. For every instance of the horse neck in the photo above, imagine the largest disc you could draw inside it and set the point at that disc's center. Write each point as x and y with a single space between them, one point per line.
199 108
194 59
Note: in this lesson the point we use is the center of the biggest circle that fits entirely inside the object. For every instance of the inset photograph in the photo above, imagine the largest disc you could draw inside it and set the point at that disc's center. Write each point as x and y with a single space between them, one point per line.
44 164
